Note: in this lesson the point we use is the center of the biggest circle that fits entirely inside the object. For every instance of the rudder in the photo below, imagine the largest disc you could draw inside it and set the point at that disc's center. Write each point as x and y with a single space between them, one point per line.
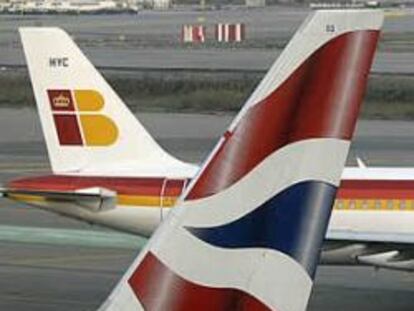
247 234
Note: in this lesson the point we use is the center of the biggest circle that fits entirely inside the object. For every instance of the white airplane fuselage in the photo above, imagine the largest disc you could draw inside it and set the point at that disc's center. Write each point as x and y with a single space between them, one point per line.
369 200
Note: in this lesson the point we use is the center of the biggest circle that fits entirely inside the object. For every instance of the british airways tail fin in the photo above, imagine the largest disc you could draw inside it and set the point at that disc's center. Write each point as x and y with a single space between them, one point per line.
248 231
87 128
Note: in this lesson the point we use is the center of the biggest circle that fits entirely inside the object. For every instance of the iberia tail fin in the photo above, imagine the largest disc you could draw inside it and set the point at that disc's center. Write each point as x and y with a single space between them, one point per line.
248 232
87 128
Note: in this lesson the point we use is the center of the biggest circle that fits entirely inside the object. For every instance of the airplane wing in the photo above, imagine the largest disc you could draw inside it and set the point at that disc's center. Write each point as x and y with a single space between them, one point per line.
95 199
379 249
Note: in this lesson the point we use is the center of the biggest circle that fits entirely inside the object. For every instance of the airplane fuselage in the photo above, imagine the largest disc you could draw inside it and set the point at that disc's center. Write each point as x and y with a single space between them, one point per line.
369 200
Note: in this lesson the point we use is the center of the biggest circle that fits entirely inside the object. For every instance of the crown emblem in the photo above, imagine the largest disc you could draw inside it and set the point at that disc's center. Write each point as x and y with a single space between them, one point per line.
61 101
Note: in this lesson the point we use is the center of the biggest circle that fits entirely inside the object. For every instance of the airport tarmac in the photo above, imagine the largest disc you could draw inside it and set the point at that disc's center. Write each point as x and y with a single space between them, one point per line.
152 39
191 136
52 263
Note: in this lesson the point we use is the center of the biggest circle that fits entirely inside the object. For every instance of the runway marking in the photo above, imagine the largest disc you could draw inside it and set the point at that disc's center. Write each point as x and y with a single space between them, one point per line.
73 237
395 13
39 301
77 264
24 164
24 167
28 171
64 259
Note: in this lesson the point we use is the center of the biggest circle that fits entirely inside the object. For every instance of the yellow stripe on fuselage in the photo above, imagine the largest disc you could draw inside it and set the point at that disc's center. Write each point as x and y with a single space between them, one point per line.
122 200
26 198
142 200
155 201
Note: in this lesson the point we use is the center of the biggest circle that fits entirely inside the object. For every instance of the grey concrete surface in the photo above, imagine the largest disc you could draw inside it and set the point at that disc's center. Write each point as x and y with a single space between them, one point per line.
191 136
48 277
151 39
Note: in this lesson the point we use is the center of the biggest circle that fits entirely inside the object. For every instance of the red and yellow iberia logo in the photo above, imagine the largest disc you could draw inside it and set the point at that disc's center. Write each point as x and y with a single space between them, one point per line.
77 120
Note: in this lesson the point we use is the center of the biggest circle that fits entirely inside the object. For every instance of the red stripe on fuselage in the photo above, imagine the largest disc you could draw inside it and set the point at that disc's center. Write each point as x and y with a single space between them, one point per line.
376 189
122 185
152 276
349 189
304 106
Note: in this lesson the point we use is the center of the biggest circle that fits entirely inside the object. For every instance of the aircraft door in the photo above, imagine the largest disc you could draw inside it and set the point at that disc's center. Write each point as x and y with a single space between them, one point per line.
170 192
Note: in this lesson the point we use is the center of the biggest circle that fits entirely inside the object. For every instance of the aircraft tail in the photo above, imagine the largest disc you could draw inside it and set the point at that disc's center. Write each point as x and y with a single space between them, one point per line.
247 233
87 128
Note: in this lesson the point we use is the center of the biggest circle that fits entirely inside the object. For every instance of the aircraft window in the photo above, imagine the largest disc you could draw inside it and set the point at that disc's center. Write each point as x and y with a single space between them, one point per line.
364 204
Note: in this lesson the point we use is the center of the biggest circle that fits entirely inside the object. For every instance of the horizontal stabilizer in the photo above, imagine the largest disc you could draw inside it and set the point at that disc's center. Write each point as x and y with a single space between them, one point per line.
94 199
394 260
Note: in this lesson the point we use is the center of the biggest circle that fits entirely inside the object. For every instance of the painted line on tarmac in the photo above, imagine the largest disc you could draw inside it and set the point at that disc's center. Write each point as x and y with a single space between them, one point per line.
71 237
47 302
396 13
52 261
23 163
21 170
